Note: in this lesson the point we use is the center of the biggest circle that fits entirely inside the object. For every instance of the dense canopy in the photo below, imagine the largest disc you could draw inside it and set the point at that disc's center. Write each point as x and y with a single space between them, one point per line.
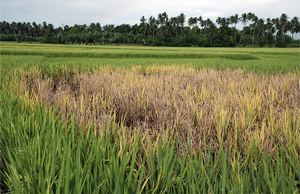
165 31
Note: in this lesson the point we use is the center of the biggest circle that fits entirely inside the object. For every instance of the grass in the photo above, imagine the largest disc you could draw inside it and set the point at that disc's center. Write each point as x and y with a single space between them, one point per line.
256 60
116 52
149 125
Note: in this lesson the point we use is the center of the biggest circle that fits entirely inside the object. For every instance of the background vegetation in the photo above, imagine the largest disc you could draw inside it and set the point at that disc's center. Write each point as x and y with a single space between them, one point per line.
164 31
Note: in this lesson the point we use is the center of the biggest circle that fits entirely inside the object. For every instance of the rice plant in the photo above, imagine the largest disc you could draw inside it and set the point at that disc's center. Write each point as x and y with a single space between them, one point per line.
40 153
74 125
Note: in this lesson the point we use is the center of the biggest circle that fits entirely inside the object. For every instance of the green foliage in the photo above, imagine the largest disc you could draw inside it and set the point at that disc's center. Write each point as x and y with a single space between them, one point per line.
281 44
124 28
154 31
74 30
17 37
261 41
223 38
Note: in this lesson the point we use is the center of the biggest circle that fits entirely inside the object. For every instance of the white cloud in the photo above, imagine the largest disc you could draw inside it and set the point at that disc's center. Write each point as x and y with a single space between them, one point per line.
124 11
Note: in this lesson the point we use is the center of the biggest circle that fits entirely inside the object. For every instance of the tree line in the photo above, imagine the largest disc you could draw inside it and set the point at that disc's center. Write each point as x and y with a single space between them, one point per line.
164 31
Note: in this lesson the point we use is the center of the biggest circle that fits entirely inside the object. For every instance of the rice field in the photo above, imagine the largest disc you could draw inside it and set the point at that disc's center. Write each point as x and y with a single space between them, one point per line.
110 119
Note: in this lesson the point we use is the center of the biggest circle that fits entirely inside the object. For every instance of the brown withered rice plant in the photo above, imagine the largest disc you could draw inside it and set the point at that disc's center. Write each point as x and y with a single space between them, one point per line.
214 106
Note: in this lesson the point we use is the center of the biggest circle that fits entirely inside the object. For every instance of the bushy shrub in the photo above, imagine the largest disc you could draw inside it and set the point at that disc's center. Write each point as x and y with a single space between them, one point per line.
281 44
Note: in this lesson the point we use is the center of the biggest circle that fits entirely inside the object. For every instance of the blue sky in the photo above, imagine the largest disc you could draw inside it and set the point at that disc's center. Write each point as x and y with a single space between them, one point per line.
70 12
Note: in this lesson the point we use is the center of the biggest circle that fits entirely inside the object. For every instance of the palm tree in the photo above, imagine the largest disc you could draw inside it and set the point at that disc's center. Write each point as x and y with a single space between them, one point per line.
260 25
174 24
200 20
222 21
29 27
13 27
8 27
211 27
294 23
152 22
283 22
288 28
226 21
92 27
255 21
39 29
234 20
219 21
269 27
161 19
148 29
36 29
98 27
2 24
143 26
192 21
44 29
250 17
19 28
204 27
4 27
244 20
297 28
143 20
165 16
50 28
275 22
195 22
181 19
143 29
108 28
163 31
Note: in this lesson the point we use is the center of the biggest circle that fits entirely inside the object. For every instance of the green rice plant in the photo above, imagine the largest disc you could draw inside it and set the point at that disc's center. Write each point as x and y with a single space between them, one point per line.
50 58
127 54
42 154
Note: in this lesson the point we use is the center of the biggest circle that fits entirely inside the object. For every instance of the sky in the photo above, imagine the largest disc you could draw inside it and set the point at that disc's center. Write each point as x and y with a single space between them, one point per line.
70 12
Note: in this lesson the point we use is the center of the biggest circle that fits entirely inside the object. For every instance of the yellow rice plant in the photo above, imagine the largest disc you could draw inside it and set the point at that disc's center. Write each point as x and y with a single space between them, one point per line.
231 108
